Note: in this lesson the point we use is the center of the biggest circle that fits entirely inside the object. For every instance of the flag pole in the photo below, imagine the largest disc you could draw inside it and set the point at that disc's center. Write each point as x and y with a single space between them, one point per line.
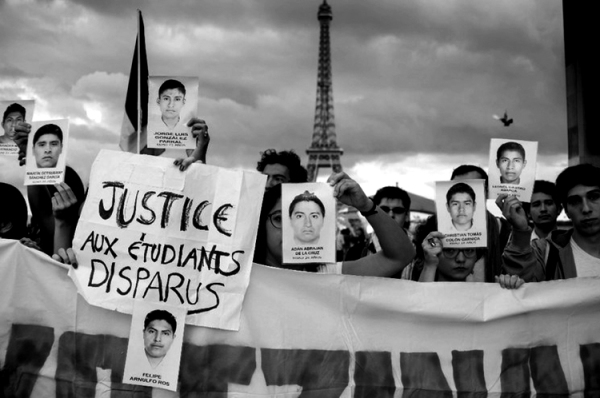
139 83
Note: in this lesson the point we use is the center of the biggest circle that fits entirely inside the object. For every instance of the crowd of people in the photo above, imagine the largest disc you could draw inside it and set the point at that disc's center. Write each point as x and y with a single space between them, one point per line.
522 246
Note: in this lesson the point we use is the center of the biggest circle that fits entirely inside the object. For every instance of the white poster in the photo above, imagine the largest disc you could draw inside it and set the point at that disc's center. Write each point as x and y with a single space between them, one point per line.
149 231
173 101
308 223
512 167
46 152
461 212
13 112
154 349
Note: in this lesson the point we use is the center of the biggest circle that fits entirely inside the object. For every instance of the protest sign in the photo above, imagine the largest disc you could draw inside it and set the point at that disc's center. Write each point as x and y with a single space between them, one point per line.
308 223
173 101
46 152
305 334
13 112
461 213
149 231
512 165
154 349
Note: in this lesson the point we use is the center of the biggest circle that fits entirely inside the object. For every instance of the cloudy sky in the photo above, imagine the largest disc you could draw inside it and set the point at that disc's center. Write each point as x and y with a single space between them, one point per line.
415 82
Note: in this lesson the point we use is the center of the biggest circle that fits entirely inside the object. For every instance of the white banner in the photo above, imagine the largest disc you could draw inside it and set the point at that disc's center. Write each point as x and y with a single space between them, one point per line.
149 231
312 335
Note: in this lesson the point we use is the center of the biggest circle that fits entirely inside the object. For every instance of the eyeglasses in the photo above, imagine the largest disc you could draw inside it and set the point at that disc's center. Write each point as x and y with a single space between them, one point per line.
452 253
275 219
396 210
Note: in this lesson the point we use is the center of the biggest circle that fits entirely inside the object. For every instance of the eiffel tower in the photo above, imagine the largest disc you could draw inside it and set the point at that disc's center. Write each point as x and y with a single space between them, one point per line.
323 151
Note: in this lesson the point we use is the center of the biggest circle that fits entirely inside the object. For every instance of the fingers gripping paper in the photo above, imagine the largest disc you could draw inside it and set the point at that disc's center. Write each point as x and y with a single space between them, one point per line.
148 231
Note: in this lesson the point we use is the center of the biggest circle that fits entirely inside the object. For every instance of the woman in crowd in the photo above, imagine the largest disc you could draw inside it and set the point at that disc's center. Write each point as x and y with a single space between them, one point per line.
434 263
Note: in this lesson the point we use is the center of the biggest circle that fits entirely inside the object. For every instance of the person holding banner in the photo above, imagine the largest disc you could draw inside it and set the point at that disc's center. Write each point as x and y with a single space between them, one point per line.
396 248
438 264
564 253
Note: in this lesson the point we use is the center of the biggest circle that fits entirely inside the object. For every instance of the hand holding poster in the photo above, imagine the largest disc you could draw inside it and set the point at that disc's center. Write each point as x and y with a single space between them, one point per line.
172 103
461 213
13 112
148 231
512 167
46 152
308 223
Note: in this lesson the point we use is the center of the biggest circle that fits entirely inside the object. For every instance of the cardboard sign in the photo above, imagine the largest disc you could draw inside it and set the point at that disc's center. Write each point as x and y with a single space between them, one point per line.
173 101
308 223
461 213
149 231
512 167
46 152
13 111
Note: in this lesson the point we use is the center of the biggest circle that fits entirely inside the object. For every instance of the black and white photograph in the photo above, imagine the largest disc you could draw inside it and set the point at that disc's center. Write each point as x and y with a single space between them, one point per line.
46 152
155 341
308 223
512 167
14 112
461 213
172 102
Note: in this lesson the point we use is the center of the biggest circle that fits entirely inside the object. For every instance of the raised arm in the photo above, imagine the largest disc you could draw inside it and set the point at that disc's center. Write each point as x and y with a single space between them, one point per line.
432 247
65 208
200 133
518 257
396 248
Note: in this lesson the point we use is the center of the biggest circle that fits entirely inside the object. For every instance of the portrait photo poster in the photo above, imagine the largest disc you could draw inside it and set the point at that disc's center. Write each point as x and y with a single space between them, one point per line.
13 111
46 152
512 168
308 223
155 341
461 213
172 102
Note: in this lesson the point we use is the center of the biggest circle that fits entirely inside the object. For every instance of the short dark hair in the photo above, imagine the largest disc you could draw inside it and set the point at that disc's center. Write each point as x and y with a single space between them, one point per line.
548 188
161 315
171 84
510 146
288 159
581 174
469 168
460 187
14 107
392 193
48 129
307 197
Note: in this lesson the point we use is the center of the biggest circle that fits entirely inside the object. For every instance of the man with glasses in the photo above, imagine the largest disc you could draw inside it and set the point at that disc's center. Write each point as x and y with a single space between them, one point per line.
571 253
395 202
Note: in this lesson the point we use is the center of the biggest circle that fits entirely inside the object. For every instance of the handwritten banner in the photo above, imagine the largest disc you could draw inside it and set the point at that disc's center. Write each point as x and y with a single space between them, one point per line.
304 334
148 231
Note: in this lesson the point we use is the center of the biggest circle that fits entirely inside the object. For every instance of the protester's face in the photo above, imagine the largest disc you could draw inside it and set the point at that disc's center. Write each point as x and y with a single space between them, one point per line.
276 174
307 221
170 102
395 209
583 208
46 150
158 337
456 268
10 122
511 163
543 209
274 246
461 208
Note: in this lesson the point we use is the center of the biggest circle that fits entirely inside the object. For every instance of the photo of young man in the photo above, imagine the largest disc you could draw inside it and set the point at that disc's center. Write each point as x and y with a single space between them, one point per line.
47 146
